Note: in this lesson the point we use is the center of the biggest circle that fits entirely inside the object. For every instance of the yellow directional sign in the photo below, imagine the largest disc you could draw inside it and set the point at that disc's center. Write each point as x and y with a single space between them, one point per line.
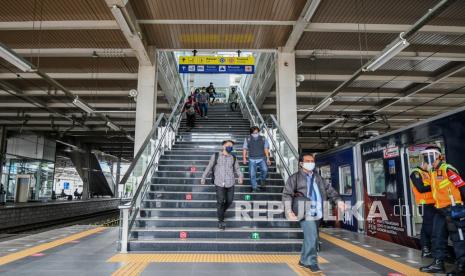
216 60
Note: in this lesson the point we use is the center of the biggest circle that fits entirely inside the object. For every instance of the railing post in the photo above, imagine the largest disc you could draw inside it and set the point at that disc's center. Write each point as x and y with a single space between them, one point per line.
124 209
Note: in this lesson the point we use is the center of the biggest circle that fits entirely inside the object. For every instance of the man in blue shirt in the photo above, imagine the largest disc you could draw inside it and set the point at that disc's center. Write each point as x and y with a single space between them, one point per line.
257 148
307 184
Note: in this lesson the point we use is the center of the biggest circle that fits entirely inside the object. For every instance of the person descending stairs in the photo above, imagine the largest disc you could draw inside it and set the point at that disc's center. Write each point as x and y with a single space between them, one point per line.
179 214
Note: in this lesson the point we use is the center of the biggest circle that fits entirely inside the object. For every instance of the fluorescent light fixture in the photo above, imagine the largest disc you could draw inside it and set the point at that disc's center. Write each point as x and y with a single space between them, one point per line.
391 51
122 21
324 104
311 10
130 138
82 105
337 120
14 59
113 126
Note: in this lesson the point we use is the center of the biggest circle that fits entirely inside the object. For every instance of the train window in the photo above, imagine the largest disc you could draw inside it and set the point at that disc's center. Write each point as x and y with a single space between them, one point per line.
325 172
345 180
376 178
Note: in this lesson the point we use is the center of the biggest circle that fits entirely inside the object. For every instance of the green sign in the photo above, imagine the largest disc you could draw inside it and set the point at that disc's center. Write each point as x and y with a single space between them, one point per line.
255 236
248 197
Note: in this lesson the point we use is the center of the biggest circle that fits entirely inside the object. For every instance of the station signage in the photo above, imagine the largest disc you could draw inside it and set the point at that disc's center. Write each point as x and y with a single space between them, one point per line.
216 65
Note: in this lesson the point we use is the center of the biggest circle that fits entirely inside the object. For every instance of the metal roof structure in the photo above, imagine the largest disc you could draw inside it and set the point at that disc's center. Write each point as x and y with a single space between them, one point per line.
83 45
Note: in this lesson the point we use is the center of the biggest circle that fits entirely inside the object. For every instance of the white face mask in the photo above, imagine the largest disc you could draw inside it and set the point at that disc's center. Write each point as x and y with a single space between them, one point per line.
255 135
309 166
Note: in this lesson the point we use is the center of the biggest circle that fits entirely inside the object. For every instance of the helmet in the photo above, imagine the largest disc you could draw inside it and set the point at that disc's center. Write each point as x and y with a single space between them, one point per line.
430 155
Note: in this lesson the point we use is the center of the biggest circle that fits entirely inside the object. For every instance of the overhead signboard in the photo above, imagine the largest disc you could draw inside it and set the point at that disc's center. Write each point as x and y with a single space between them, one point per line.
216 65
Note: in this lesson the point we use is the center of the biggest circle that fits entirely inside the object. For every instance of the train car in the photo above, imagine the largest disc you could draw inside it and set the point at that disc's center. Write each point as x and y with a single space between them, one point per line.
339 168
386 163
376 171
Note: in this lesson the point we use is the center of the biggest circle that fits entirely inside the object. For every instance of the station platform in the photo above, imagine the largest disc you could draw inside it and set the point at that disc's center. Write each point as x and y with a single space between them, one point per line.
91 250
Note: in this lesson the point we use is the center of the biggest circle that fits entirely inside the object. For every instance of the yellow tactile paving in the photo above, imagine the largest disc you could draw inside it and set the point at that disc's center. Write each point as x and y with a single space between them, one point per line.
207 258
377 258
45 246
134 264
131 269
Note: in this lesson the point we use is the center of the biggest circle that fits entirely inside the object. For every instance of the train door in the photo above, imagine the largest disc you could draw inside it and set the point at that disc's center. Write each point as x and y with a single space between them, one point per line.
413 160
385 196
325 173
347 191
337 169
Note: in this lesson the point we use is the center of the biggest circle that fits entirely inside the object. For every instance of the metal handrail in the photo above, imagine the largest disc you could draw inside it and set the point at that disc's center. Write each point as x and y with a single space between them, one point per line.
141 150
146 141
144 177
130 210
275 122
263 124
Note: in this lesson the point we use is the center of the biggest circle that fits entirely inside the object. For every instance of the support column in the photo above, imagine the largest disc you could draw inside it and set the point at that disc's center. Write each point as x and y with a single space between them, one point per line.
2 158
146 106
286 95
118 176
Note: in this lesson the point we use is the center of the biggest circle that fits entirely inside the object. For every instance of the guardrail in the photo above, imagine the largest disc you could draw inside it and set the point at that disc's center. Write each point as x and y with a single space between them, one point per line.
139 174
285 154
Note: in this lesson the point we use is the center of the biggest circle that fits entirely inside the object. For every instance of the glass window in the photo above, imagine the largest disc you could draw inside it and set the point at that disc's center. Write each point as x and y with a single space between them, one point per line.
325 172
376 177
345 180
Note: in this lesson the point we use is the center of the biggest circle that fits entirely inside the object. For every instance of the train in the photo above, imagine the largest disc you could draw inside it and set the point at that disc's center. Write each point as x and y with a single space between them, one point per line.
376 172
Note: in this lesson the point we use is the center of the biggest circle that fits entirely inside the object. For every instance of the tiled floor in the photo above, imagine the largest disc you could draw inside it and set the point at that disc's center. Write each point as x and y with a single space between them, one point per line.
86 250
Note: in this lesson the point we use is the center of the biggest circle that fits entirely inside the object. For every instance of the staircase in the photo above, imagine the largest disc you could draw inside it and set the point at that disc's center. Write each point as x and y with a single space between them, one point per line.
179 214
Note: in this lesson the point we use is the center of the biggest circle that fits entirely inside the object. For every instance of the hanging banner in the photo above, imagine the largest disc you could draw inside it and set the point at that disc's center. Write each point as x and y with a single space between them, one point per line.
216 65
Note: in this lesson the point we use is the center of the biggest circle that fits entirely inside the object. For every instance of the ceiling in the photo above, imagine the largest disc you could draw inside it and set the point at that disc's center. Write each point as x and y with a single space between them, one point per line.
81 45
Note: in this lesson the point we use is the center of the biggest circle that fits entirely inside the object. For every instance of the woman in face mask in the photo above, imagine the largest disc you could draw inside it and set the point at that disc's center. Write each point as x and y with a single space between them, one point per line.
224 168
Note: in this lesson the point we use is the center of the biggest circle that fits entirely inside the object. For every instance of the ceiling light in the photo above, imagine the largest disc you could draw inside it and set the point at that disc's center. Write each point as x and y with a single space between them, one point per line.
331 124
389 52
82 105
14 59
113 126
324 104
130 138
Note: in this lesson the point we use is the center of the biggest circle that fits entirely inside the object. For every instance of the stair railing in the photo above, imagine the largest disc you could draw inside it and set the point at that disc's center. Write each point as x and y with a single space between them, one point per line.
286 156
143 168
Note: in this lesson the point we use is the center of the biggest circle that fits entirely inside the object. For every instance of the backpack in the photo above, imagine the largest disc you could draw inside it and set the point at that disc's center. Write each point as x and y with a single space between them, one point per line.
217 154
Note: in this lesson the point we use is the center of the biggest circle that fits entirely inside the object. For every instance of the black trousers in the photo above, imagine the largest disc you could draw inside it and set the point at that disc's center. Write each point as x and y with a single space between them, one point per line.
426 233
444 227
224 199
233 106
190 120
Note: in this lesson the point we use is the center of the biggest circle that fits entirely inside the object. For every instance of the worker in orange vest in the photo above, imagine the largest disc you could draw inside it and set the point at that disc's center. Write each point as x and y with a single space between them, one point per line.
448 189
421 186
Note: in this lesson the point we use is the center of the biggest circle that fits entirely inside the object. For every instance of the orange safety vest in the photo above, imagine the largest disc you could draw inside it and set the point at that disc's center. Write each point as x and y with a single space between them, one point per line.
422 198
443 188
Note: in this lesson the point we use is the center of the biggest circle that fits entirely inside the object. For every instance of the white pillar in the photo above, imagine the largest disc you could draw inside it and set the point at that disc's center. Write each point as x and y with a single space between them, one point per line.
146 106
286 95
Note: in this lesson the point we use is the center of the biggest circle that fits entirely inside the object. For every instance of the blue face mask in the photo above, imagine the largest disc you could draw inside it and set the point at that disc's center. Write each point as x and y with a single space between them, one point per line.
229 149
